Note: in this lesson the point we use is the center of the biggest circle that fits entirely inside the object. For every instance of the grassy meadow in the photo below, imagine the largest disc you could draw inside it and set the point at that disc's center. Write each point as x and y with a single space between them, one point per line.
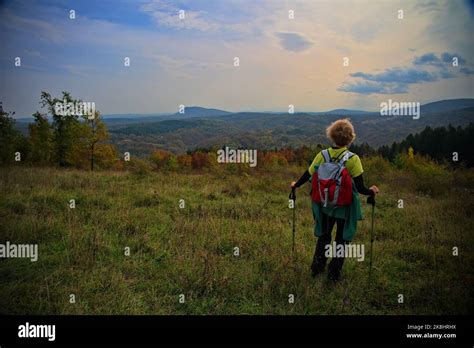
190 250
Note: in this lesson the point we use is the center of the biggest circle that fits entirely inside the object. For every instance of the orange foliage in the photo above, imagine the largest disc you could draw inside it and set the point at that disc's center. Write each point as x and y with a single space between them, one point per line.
200 160
184 161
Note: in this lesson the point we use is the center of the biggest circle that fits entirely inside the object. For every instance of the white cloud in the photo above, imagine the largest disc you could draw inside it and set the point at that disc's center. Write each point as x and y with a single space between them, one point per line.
166 13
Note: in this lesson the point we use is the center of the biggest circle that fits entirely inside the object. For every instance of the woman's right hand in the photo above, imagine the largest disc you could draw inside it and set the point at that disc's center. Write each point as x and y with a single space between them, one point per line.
293 183
374 188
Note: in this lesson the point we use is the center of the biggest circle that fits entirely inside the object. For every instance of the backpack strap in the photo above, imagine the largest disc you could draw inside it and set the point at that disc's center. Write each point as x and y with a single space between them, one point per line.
336 159
326 156
347 155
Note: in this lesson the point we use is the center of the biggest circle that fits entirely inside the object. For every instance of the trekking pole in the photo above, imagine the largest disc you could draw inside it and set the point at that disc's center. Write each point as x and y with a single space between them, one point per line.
371 200
293 198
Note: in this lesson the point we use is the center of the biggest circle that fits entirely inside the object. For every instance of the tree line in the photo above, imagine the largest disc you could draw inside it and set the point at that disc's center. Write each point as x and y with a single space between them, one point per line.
64 139
442 144
72 140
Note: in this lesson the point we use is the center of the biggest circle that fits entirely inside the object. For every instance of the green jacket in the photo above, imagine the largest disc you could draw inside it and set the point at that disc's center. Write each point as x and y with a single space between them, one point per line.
351 214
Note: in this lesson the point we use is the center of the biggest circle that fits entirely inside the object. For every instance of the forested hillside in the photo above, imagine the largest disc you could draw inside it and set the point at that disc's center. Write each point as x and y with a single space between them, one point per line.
268 131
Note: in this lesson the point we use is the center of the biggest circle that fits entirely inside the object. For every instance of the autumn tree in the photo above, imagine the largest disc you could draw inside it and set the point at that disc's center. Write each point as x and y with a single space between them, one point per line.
105 156
200 160
94 133
77 137
184 161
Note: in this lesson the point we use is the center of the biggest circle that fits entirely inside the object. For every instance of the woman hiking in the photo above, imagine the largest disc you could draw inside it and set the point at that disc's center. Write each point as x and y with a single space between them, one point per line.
327 211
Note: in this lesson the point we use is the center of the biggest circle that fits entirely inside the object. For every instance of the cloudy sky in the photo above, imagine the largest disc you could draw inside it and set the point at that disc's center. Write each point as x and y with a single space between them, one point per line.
190 61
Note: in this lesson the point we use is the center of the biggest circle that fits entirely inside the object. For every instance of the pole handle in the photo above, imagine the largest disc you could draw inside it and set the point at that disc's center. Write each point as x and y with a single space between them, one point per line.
371 200
292 195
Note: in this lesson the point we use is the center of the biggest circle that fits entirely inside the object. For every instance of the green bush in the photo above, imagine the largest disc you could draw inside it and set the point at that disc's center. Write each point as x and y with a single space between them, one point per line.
377 168
138 166
163 160
428 177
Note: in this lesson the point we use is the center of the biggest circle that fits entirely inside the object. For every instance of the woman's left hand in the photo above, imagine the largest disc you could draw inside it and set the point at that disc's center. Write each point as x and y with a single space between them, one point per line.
374 188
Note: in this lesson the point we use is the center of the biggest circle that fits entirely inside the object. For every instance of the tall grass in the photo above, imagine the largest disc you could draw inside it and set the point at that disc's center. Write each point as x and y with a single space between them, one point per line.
190 251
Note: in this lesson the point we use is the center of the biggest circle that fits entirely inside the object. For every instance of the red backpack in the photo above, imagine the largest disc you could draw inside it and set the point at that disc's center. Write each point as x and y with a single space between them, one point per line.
331 184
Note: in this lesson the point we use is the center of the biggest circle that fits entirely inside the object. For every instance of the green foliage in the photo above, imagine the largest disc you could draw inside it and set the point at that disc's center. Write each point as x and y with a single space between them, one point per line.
377 168
93 133
64 127
363 150
138 166
70 140
438 143
430 178
162 160
11 141
41 139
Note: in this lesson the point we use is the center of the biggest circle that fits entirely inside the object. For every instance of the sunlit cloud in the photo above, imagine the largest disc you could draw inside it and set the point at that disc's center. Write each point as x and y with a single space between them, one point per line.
397 80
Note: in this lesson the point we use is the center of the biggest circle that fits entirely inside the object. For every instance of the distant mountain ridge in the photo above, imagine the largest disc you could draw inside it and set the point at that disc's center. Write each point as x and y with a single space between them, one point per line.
198 111
347 112
200 127
269 130
447 105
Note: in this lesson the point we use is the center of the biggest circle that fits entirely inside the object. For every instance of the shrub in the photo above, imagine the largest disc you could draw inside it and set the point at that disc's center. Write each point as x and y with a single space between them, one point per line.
163 160
288 154
464 178
138 166
377 168
273 159
105 156
428 177
200 160
184 161
304 155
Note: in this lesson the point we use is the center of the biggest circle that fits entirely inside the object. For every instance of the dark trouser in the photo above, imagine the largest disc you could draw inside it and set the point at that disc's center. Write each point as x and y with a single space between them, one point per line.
319 259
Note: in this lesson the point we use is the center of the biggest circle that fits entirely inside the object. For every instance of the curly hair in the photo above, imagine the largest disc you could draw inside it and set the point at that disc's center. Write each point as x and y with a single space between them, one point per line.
341 132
